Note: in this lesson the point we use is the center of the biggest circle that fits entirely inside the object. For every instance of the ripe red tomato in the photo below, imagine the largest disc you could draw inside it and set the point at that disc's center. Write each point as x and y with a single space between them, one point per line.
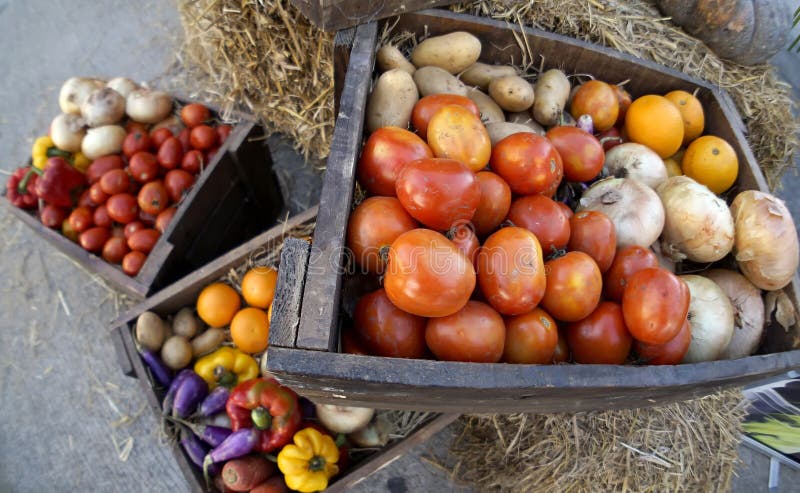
351 342
561 354
193 161
115 250
455 132
598 100
429 105
52 216
494 204
566 209
93 239
655 303
133 227
164 218
544 218
203 137
463 237
136 141
593 233
85 200
600 338
671 353
143 167
223 131
427 275
610 138
385 153
581 153
101 217
122 208
115 181
529 163
96 194
148 219
627 261
153 198
143 240
178 183
170 153
194 114
476 333
574 286
133 262
374 224
185 137
531 338
101 165
511 271
158 136
81 219
439 193
387 330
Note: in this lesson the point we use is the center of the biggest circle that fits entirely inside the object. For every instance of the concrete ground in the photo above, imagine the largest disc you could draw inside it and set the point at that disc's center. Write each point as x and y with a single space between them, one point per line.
69 419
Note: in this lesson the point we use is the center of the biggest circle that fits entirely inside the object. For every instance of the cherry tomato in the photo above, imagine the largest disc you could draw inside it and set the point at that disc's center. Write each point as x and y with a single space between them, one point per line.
153 198
476 333
203 137
101 166
178 183
115 250
373 226
143 240
574 286
143 167
194 114
624 99
351 342
440 193
122 208
136 141
529 163
427 275
159 136
455 132
610 138
133 262
115 181
544 218
600 338
531 338
511 271
463 237
598 100
429 105
593 233
85 200
97 195
566 209
185 137
93 239
581 153
494 204
387 330
561 354
655 303
170 153
101 217
193 161
385 153
670 353
133 227
164 218
223 131
627 261
52 216
81 219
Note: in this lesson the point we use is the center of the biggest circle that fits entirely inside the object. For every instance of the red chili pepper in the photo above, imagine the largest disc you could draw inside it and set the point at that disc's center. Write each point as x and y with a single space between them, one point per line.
21 188
268 407
60 183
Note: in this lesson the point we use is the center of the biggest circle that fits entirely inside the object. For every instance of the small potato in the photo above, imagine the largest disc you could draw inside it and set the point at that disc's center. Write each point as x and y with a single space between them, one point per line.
452 52
490 112
207 341
389 57
176 352
151 331
525 118
434 80
392 100
552 90
500 130
512 93
185 323
482 74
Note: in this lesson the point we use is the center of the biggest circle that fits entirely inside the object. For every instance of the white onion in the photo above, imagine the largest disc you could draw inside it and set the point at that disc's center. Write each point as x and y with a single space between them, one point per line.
631 160
632 206
67 131
711 318
748 313
103 107
663 260
102 141
75 91
122 85
766 246
148 106
375 434
343 419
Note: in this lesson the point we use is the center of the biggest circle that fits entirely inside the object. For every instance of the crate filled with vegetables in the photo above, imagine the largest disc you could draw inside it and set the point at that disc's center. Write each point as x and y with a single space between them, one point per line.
138 186
197 347
514 220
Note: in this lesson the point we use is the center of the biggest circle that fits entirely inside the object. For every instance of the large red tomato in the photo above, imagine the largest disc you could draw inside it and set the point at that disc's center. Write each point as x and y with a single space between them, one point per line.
592 232
561 354
493 206
385 153
511 271
373 226
439 193
476 333
388 330
600 338
655 304
581 153
531 338
463 237
529 163
574 286
454 132
543 217
429 105
427 275
671 353
627 261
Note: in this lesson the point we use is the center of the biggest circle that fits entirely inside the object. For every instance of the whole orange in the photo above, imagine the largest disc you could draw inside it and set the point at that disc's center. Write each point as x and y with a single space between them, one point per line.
598 100
250 330
258 286
711 161
217 304
655 122
694 119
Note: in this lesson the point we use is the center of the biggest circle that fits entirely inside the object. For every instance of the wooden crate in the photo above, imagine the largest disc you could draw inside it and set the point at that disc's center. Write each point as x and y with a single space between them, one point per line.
184 293
308 359
236 197
331 15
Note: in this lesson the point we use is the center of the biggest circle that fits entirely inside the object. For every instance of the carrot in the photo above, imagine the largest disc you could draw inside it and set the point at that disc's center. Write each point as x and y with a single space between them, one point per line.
244 473
275 484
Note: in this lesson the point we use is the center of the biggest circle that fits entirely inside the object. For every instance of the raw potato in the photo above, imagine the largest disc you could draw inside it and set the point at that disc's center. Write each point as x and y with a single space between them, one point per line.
552 91
151 331
207 342
490 112
512 93
500 130
525 118
453 52
176 352
185 323
390 57
392 100
482 74
434 80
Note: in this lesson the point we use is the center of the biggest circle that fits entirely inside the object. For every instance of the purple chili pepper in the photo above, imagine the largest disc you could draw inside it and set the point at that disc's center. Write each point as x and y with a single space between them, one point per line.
166 405
214 401
196 450
190 392
160 371
238 444
212 435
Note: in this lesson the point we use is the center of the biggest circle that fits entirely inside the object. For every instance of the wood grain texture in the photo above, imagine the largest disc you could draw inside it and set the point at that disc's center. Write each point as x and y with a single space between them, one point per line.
342 44
288 292
330 15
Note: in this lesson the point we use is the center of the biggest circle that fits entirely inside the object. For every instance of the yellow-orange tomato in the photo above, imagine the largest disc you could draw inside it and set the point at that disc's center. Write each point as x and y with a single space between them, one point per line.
217 304
429 105
694 118
455 132
258 286
655 122
598 100
250 330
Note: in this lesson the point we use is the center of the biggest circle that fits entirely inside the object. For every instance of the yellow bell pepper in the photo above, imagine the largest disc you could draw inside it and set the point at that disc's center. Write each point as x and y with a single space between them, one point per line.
43 148
309 462
80 162
227 367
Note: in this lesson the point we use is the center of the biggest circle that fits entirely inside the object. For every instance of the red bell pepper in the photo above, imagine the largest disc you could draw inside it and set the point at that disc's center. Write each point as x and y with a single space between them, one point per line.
60 183
268 407
21 188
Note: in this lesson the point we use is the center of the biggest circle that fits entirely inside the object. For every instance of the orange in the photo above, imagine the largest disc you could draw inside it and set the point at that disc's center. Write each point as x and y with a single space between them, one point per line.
217 304
250 330
711 161
673 163
655 122
258 286
694 119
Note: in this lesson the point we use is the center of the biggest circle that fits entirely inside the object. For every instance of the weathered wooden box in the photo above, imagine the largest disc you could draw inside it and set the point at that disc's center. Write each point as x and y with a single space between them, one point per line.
330 15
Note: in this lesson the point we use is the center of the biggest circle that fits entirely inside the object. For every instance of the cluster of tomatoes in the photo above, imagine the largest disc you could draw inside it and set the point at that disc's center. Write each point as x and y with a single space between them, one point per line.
479 263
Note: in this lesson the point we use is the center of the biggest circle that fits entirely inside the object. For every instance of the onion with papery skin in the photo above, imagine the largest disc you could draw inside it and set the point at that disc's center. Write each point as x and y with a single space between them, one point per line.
75 91
632 206
375 434
172 123
148 106
631 160
766 246
122 85
698 224
663 260
67 131
102 141
343 419
748 308
711 318
103 107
